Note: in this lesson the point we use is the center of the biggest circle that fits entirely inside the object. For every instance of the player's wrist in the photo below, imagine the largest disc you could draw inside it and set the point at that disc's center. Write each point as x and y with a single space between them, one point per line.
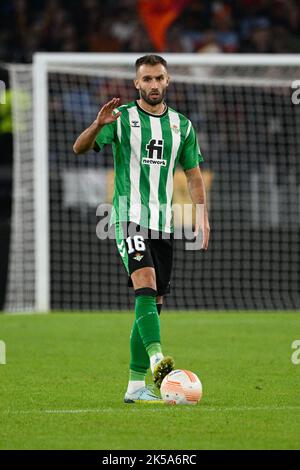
98 125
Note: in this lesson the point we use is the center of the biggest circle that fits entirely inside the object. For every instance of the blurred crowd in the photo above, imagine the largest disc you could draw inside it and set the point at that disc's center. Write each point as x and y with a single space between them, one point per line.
117 26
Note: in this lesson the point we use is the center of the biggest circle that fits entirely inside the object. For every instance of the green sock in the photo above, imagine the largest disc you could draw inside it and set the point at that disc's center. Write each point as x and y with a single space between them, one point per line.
147 319
154 348
136 376
139 359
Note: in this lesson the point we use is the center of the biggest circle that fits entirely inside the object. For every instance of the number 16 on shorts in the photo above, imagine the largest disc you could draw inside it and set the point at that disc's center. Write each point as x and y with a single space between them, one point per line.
135 243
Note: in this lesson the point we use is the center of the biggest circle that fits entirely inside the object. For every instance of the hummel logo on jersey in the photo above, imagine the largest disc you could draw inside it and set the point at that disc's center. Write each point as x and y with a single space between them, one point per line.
155 150
138 257
135 124
122 248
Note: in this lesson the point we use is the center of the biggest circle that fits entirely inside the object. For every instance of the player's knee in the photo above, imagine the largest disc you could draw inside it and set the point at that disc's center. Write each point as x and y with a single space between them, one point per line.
144 277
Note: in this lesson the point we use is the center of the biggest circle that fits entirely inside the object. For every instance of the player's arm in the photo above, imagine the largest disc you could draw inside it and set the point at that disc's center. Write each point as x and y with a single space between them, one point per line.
197 192
86 140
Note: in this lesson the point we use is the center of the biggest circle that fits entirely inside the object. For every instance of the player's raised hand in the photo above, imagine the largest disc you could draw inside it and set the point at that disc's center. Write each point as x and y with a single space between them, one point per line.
86 140
106 115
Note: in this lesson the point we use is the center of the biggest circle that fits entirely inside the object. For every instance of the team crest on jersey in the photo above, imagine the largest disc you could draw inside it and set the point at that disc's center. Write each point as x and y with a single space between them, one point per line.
138 257
135 124
175 129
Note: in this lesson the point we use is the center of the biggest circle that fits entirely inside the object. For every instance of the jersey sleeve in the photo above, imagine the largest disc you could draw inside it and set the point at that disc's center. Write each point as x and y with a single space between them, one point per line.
191 155
107 135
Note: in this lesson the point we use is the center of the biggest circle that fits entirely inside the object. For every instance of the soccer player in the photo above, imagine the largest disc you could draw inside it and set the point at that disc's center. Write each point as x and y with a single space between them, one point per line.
148 139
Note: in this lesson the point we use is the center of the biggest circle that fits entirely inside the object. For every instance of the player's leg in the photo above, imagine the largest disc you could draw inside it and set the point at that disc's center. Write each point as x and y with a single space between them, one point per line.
146 316
143 276
145 335
144 341
146 313
162 256
139 359
144 283
139 365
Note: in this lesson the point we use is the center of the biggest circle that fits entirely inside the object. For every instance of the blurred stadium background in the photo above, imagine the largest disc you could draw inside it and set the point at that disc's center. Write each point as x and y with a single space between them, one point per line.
258 26
247 128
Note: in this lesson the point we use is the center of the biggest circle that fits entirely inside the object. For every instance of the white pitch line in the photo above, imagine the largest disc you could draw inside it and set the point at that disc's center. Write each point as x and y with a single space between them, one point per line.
201 408
255 408
94 410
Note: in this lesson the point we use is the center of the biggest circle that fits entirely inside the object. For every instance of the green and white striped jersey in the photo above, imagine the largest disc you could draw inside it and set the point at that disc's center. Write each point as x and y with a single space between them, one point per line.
147 149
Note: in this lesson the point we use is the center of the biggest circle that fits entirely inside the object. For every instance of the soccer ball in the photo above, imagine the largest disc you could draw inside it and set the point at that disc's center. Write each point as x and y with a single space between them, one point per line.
181 387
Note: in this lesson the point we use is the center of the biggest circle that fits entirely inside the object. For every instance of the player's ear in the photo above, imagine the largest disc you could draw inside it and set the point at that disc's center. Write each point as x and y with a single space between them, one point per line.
136 83
168 79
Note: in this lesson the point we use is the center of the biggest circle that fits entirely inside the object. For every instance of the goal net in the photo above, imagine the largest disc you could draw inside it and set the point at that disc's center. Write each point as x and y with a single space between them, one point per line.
246 115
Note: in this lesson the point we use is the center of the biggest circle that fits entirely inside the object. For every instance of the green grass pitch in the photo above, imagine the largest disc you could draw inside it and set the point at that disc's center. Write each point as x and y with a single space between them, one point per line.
66 374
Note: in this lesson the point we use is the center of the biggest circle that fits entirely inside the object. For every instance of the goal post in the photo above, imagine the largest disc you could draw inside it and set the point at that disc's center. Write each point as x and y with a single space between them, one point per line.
41 186
233 100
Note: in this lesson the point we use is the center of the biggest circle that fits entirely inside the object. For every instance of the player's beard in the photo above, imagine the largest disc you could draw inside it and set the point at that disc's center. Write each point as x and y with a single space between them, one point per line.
152 101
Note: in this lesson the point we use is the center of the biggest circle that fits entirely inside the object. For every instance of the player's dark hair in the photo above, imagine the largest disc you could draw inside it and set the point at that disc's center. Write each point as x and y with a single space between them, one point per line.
150 59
